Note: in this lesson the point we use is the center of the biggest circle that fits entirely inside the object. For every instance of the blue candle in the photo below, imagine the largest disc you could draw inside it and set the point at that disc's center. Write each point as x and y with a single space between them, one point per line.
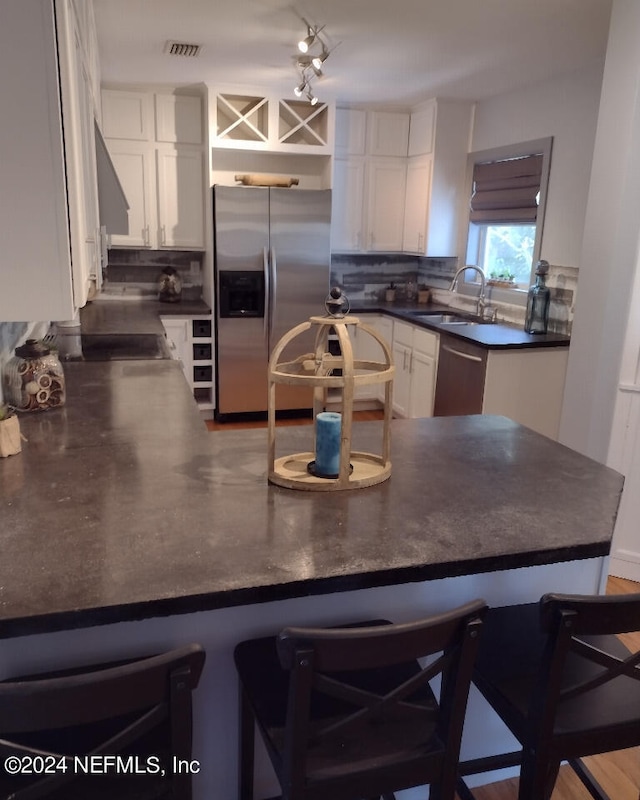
328 429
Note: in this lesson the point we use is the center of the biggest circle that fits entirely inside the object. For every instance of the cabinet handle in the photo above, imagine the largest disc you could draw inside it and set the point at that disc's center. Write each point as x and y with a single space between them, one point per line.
404 360
145 234
411 362
163 238
453 352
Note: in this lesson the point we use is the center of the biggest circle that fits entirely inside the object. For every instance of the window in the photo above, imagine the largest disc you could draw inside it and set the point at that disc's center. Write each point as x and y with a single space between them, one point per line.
507 201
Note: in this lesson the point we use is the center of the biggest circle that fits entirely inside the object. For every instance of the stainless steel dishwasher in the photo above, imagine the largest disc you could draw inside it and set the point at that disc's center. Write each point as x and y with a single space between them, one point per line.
460 380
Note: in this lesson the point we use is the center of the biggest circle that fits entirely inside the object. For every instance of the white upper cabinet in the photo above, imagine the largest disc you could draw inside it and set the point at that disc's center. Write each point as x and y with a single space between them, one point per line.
369 189
134 164
351 128
180 203
156 143
178 118
416 210
425 155
48 225
436 179
387 133
347 214
422 130
127 115
386 179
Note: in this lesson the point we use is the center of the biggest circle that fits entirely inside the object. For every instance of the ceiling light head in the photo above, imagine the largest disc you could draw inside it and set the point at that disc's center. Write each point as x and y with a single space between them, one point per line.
300 89
318 60
305 44
311 97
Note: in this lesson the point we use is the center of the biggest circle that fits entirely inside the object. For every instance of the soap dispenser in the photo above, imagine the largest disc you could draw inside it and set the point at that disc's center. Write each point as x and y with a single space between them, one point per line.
538 301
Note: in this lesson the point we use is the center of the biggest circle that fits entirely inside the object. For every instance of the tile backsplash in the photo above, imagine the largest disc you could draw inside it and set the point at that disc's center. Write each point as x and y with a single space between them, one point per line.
366 276
141 268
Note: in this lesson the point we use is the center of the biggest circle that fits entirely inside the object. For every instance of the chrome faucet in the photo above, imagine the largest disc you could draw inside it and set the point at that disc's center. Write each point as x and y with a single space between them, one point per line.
480 303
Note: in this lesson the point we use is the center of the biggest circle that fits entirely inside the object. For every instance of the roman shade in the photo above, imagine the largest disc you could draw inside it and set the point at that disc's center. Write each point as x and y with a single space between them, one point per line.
506 191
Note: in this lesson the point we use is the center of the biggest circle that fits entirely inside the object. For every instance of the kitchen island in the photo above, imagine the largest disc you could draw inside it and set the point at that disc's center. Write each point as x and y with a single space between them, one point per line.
127 528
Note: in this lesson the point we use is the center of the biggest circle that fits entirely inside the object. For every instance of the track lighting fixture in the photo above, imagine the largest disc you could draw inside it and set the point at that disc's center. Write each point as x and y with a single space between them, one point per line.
310 64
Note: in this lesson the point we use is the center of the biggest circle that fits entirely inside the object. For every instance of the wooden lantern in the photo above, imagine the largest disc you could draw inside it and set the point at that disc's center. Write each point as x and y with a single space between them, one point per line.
323 371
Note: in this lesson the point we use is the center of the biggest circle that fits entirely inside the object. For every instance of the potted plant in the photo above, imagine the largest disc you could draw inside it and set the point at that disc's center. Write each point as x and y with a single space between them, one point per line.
501 278
424 294
10 440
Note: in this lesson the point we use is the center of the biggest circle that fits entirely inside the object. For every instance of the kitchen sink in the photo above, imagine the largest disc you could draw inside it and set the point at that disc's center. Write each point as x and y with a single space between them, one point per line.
451 319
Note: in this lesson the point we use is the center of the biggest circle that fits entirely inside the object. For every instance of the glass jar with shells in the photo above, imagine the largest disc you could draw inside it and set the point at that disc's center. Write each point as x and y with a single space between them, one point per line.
33 378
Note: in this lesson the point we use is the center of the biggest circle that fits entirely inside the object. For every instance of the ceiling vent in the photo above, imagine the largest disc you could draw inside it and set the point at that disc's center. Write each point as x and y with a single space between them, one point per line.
182 49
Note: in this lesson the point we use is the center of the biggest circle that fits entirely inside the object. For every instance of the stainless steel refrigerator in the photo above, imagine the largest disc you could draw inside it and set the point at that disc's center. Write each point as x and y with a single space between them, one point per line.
272 265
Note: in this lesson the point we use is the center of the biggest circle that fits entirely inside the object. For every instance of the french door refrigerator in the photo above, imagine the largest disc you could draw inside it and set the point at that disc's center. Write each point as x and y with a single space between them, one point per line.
272 268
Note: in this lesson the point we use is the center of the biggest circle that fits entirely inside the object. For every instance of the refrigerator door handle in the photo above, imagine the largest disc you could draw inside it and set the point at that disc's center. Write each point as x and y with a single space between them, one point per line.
267 296
274 293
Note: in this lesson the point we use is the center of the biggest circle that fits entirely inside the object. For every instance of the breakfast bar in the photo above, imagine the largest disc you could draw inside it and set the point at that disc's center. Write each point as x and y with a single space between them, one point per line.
127 528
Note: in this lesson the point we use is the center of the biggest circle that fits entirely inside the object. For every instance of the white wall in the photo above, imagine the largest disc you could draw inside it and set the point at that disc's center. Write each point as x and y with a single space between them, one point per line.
612 229
567 109
602 399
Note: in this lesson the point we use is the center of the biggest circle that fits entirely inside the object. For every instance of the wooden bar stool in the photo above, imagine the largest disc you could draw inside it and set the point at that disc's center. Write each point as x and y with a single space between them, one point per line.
105 732
563 683
349 713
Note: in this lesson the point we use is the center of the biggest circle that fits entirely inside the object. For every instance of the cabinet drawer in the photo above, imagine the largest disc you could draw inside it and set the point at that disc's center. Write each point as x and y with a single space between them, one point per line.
202 352
425 341
201 328
202 373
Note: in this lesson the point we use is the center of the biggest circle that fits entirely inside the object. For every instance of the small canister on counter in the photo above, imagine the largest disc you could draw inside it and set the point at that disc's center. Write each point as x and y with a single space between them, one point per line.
33 378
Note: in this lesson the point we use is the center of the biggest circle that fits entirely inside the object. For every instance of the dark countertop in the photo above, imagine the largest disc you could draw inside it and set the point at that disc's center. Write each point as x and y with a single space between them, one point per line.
498 336
121 506
134 315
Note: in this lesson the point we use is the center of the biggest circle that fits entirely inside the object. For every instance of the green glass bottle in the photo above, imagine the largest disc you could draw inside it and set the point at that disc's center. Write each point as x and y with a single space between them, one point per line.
538 301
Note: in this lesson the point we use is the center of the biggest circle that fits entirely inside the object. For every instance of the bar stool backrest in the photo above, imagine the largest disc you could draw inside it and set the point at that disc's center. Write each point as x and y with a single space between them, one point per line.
338 701
584 667
99 710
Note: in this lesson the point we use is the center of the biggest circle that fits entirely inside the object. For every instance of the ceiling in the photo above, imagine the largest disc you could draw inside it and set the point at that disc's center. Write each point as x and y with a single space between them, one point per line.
396 52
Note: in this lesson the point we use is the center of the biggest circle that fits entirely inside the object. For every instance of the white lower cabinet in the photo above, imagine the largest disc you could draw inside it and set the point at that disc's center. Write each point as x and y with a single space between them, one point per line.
190 341
415 354
366 348
527 386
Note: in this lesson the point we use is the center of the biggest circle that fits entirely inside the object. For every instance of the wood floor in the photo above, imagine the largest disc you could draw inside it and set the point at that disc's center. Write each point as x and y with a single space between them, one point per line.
618 772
